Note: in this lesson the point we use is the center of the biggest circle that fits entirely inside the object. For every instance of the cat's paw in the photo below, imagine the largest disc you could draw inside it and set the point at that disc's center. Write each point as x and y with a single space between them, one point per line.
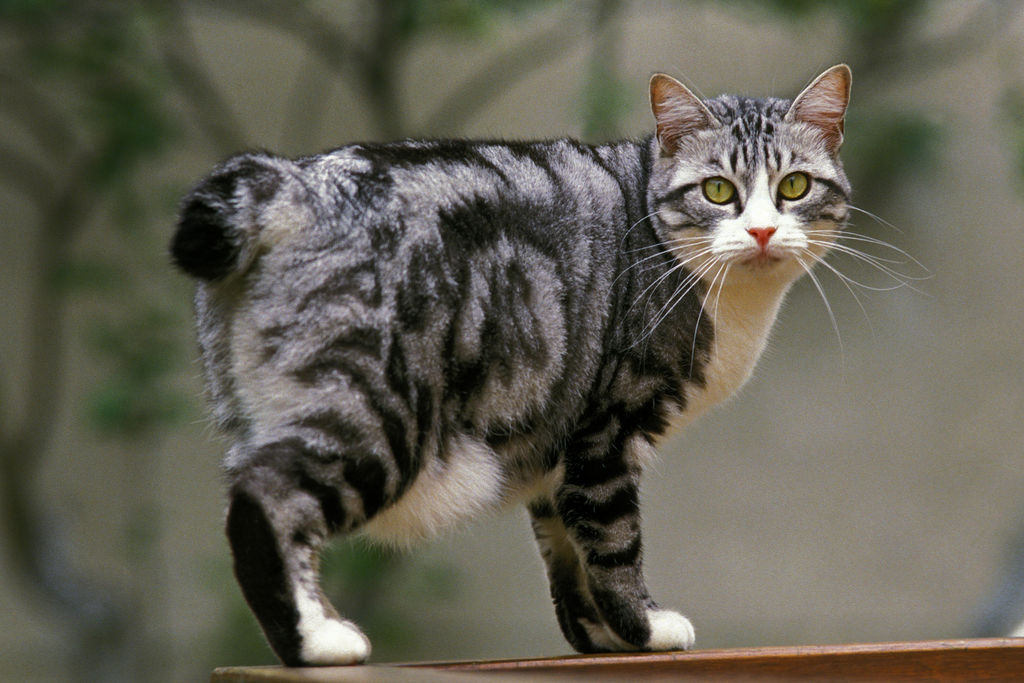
603 639
334 643
669 631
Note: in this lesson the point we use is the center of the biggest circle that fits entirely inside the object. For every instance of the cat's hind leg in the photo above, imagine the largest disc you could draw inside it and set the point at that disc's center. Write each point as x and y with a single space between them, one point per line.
282 508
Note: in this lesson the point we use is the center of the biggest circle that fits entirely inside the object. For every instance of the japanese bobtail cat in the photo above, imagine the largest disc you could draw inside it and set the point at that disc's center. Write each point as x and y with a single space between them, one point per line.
400 336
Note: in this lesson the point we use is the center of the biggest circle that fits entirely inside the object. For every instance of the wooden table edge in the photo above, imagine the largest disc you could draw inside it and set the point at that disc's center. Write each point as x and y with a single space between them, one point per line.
854 650
990 659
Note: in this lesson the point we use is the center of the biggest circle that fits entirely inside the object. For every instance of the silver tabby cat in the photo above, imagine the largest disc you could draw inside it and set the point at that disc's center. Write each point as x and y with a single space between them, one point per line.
397 337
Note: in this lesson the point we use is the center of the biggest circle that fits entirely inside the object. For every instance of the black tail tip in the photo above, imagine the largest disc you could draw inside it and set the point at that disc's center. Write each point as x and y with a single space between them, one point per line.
204 244
216 222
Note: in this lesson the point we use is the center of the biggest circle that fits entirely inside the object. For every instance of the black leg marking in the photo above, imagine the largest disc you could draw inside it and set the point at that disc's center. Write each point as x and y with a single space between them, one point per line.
624 613
613 559
329 499
571 604
261 573
368 476
286 501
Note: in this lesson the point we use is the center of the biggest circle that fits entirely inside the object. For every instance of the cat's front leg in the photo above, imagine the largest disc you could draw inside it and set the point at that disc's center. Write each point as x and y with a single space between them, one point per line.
589 534
574 608
278 520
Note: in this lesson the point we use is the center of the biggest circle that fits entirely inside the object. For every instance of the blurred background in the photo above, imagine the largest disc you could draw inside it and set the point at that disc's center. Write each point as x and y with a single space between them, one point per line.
868 485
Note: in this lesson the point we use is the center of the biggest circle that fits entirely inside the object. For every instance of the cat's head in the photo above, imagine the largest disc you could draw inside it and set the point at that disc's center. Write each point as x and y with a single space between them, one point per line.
747 188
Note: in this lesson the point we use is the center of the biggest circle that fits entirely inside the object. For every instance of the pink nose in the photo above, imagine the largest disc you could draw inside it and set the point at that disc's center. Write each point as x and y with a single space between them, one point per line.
761 235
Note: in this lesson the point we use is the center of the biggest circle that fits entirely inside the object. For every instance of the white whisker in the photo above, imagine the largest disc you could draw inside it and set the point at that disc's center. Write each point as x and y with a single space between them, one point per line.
849 283
663 250
638 222
675 267
901 279
855 237
714 318
828 307
685 287
872 216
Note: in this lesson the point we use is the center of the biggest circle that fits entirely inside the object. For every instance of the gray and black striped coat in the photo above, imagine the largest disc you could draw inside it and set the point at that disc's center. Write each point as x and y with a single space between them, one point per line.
397 337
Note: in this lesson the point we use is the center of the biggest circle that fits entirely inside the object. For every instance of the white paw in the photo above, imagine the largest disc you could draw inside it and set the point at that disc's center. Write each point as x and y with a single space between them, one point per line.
334 643
669 631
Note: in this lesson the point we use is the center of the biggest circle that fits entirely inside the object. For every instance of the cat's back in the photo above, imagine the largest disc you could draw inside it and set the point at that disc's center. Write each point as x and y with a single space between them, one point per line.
390 199
543 191
442 283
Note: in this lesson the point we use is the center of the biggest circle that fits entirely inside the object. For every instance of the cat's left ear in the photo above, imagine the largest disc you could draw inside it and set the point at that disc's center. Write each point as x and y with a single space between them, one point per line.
823 104
677 111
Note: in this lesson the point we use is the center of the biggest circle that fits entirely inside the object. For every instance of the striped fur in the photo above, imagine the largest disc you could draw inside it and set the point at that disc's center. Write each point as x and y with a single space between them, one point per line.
398 337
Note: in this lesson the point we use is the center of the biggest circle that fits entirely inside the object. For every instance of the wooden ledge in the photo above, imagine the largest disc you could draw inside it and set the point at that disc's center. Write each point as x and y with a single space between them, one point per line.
995 659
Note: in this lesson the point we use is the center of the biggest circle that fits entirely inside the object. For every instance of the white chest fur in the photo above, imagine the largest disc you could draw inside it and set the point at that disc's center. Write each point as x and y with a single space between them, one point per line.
743 314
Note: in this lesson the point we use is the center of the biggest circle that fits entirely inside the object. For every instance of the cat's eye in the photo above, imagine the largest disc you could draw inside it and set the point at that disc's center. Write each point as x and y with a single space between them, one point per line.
794 186
719 190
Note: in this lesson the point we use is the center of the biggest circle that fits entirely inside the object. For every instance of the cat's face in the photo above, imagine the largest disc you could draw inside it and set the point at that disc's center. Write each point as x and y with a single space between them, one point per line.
749 189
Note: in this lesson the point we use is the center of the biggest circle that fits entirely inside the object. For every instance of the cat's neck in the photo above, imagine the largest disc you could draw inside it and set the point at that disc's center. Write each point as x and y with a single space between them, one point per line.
743 313
745 307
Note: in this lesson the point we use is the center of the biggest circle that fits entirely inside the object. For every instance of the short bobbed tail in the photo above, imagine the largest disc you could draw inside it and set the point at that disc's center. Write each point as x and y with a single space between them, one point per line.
218 226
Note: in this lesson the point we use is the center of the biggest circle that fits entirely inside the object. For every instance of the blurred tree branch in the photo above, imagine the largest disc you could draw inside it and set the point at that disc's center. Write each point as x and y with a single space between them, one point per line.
509 67
605 99
210 111
882 42
883 53
85 120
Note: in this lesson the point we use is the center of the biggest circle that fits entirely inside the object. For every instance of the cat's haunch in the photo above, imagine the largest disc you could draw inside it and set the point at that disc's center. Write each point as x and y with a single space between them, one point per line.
398 337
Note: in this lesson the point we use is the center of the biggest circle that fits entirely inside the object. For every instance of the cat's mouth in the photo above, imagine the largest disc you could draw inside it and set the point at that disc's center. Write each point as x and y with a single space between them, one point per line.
761 260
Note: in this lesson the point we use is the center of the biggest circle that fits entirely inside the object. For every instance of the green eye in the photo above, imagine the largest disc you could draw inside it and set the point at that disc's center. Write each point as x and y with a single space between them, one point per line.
719 190
794 186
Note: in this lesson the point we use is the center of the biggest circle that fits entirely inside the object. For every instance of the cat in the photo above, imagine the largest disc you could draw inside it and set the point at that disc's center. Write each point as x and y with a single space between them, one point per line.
397 337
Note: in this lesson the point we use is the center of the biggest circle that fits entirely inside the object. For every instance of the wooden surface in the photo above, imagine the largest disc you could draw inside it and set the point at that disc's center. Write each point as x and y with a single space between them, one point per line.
999 659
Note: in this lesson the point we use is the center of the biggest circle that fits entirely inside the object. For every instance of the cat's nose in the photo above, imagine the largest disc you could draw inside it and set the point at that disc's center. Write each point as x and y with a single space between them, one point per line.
761 236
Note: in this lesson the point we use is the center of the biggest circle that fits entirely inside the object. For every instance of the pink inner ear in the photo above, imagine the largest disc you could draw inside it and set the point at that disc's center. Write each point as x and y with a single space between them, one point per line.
677 111
823 104
826 106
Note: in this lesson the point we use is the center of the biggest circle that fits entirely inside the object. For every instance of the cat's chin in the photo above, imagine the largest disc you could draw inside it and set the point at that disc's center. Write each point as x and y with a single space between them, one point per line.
762 261
764 271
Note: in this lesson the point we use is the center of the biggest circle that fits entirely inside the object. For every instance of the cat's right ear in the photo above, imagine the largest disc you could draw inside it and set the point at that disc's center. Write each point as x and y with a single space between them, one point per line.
677 111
